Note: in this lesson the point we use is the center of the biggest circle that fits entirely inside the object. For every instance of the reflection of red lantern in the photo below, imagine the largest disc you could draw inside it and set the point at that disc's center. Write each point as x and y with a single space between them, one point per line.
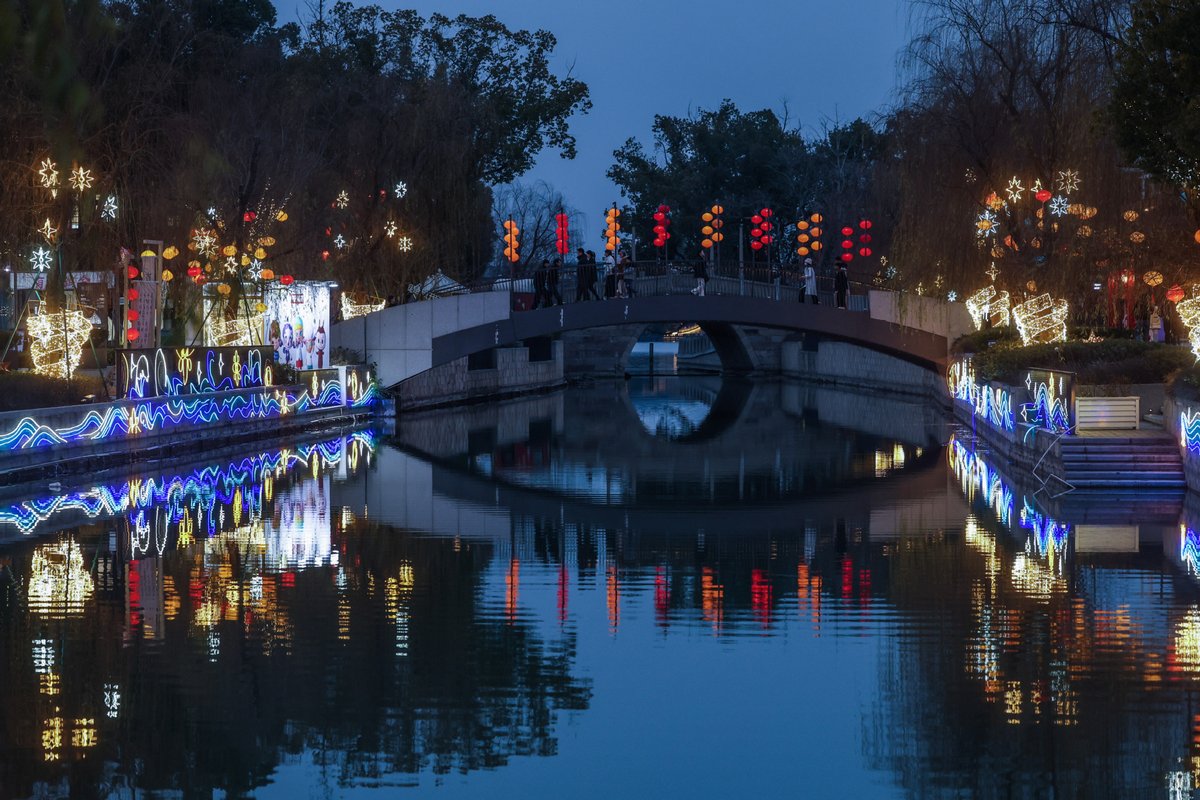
1175 293
132 334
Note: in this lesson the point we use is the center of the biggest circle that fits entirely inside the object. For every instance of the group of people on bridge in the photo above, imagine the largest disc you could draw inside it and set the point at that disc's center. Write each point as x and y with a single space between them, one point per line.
615 277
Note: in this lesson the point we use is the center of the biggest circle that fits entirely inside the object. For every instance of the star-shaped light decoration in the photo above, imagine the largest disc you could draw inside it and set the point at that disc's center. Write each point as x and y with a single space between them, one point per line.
48 176
211 213
81 179
343 199
401 189
1059 206
231 264
41 260
1068 180
992 272
1037 186
108 210
985 224
206 242
339 242
1014 190
405 244
48 231
951 296
390 228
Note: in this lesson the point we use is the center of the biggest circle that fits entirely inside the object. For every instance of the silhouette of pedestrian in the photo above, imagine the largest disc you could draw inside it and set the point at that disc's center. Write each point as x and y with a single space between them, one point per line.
552 278
700 273
540 296
591 274
809 287
841 285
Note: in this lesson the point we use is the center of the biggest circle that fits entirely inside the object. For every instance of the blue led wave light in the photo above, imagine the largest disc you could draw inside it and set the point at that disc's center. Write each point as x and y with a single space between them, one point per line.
993 404
175 371
204 488
138 418
980 481
1189 431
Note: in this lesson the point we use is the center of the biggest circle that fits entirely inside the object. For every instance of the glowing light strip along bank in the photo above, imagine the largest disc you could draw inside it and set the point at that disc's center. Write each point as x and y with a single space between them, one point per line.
204 488
137 418
993 403
1189 430
174 371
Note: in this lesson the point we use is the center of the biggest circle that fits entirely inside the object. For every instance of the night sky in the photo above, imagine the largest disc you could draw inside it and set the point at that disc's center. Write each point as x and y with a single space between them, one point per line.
825 61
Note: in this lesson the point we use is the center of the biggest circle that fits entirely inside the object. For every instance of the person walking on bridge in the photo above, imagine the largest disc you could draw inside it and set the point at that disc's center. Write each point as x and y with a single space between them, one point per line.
590 272
841 285
553 296
809 286
540 297
700 273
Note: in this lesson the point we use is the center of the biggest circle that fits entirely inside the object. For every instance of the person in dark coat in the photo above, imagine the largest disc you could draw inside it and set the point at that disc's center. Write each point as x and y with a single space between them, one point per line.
700 273
841 285
540 275
553 275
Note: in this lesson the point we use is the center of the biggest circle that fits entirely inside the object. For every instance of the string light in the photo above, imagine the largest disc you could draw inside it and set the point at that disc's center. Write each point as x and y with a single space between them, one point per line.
351 309
81 179
989 306
60 584
343 199
1189 314
56 341
48 176
41 260
1041 319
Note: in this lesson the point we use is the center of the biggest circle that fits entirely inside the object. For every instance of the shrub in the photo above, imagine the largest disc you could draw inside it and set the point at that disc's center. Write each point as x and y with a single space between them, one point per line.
26 390
1112 361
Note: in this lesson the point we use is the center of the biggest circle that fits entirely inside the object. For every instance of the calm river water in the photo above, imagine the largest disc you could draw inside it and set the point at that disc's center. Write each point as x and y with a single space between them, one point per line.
670 587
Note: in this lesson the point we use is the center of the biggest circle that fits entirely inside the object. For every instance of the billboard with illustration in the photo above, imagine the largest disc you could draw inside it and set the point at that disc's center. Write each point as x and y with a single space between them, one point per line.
296 322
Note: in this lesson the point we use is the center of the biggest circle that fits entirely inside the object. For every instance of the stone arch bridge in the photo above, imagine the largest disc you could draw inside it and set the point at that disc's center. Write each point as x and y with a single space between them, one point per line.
406 340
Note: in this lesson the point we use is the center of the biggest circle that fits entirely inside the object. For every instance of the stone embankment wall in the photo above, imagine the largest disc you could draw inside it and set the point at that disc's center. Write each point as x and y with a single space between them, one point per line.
463 381
848 364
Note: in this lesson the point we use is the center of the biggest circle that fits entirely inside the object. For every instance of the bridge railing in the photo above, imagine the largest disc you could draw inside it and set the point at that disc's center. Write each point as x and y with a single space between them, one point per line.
659 279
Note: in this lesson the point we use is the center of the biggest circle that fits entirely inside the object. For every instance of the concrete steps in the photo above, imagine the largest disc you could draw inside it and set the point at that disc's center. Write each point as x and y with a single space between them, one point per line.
1124 462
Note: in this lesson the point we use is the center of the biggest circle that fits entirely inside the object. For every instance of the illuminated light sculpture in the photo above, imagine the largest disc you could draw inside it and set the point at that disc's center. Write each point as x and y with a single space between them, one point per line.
205 242
1014 190
108 211
512 244
57 339
1068 181
236 332
343 199
1041 319
48 176
989 306
994 404
986 224
711 230
401 189
389 229
1052 401
60 583
48 231
405 243
1189 314
352 309
41 260
81 179
1059 206
339 242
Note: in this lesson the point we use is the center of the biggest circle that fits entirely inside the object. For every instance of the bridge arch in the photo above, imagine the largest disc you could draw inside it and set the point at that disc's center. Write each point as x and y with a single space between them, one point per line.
404 341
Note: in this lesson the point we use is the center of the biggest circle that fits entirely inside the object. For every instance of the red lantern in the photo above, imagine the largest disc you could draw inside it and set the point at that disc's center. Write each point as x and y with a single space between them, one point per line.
133 272
756 245
865 224
847 244
847 231
287 280
756 233
660 229
324 255
249 216
1042 196
1175 293
561 235
193 272
756 220
660 242
132 315
766 212
132 334
659 216
847 257
133 294
665 209
865 252
766 226
865 238
768 239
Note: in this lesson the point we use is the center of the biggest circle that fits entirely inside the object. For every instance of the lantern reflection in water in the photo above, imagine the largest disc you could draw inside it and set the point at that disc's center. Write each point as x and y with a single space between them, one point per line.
59 583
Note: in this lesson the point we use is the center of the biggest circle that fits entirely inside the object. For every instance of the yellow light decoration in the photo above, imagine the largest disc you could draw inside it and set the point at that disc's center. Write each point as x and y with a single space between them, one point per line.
1041 319
167 275
1153 278
267 241
1131 216
224 289
260 253
170 252
48 176
1187 640
81 179
236 332
229 250
281 215
56 342
48 231
1137 237
59 581
267 274
260 307
1189 313
1084 231
989 305
352 309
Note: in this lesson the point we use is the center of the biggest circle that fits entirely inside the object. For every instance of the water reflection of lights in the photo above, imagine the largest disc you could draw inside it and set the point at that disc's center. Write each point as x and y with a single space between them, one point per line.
1189 549
1187 640
59 583
1034 579
980 480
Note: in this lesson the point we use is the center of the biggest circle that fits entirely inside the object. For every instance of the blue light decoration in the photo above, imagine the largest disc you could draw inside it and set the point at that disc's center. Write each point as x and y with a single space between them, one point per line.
1049 537
320 390
992 403
241 484
1189 430
1051 399
1189 549
175 371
